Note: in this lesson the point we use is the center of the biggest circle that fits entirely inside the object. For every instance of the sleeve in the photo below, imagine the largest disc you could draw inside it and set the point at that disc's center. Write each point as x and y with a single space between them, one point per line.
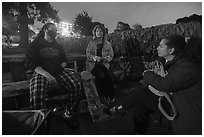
109 52
183 76
32 56
62 54
89 52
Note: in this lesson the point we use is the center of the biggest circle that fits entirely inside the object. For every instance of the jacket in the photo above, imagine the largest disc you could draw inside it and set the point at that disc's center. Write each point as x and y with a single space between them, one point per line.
91 52
47 55
184 81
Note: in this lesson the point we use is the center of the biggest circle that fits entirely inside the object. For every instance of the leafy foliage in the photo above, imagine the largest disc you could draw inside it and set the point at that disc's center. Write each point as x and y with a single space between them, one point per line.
121 26
194 17
9 25
137 26
40 11
26 13
83 24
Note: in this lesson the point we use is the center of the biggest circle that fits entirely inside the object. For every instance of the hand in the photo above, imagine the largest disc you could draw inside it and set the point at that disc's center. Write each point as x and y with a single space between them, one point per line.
64 64
148 65
105 59
51 80
159 70
97 58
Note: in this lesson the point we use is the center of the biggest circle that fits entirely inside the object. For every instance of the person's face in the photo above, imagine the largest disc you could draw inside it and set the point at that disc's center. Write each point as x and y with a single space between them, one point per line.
99 33
163 50
52 32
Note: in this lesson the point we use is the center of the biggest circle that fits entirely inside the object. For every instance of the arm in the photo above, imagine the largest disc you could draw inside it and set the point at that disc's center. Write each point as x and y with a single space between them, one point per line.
49 77
63 64
182 76
89 51
63 57
41 71
32 56
109 53
32 60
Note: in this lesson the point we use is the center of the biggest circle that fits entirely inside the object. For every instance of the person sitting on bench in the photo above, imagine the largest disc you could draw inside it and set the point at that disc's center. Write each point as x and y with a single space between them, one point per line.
46 57
99 53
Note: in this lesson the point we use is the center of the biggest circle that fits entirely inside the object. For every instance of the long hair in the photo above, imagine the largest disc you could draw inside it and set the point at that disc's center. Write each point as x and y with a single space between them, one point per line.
41 34
103 30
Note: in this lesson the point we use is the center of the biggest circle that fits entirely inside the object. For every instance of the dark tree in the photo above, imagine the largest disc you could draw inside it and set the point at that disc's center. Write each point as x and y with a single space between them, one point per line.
9 25
26 13
137 26
121 26
192 18
83 24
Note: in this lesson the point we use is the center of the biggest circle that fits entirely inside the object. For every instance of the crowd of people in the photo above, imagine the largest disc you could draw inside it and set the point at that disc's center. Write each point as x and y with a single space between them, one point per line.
178 77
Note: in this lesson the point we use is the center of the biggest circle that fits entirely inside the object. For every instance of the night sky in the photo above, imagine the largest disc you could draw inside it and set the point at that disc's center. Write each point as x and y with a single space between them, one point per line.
145 13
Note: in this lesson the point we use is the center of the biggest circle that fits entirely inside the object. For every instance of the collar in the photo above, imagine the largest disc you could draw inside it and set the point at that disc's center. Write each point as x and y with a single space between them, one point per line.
168 64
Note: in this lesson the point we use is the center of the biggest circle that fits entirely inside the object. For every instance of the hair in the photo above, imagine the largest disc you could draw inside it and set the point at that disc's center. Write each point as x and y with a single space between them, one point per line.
94 32
177 42
194 50
41 34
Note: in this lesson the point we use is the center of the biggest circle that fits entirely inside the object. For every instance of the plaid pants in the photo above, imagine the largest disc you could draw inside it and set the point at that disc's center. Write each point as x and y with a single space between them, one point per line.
39 88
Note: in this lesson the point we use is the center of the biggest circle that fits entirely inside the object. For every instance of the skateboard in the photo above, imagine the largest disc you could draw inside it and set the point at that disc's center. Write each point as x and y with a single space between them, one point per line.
94 104
99 112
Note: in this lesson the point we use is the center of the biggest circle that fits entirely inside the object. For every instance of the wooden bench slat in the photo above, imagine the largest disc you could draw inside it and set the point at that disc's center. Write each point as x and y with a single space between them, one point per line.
15 88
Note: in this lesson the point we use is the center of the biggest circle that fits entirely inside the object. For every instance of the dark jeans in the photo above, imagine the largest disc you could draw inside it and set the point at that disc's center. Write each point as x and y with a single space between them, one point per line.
145 103
103 80
141 96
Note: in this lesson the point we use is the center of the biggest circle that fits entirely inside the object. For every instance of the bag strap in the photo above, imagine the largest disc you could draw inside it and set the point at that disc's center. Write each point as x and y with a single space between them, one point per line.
164 94
172 106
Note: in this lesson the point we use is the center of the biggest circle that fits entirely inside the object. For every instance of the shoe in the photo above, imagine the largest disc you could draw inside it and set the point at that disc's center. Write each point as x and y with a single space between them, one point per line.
118 110
71 120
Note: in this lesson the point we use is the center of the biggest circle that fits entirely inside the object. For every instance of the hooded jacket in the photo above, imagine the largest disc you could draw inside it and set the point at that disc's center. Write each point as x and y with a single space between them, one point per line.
184 81
47 55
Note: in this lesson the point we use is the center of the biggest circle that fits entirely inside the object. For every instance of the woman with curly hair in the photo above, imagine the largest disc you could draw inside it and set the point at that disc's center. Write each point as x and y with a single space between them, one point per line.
99 53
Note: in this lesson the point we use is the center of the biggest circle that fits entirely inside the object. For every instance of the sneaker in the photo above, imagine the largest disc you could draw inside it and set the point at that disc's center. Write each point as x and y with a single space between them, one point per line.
71 120
118 110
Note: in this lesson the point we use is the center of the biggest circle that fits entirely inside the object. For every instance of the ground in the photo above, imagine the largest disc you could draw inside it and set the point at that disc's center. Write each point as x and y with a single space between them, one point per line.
119 125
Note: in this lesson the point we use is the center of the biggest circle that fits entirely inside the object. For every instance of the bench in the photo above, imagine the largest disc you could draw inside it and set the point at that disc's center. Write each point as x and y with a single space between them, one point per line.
15 88
11 91
15 64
